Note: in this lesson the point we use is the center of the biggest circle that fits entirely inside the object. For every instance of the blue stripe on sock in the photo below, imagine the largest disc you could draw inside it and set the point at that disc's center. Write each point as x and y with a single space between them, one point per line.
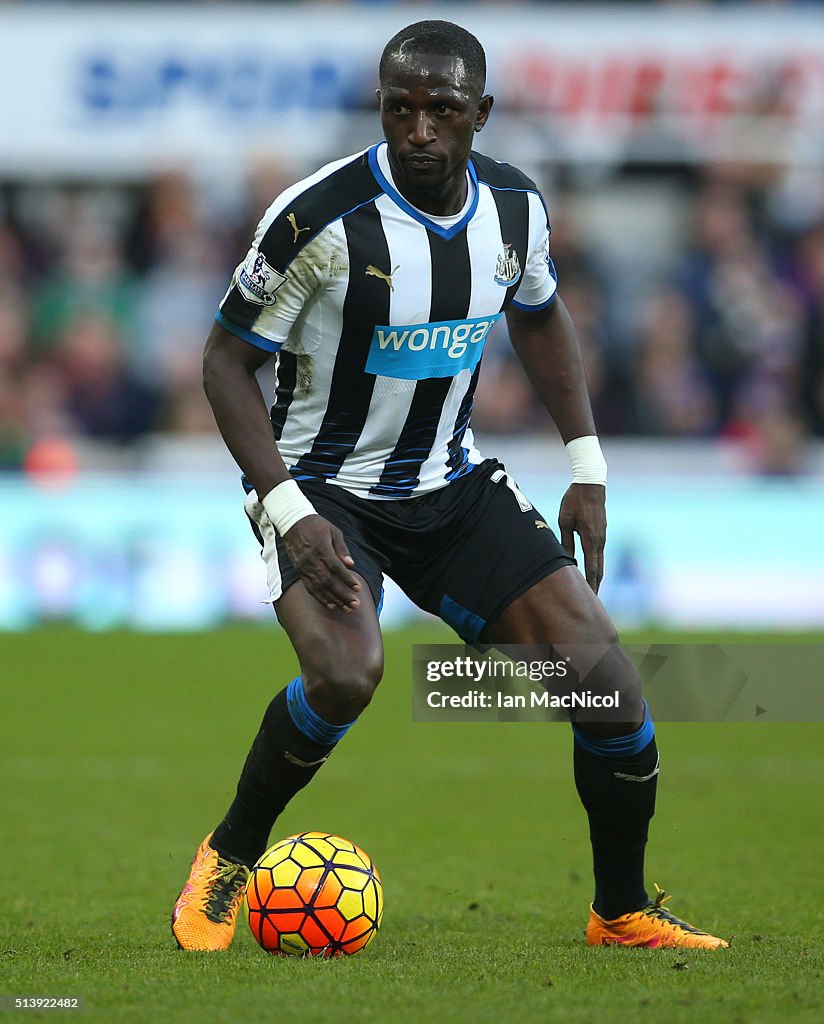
308 721
618 746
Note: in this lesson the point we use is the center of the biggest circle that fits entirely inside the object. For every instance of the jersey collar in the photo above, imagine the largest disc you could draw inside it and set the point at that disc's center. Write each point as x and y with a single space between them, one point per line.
410 210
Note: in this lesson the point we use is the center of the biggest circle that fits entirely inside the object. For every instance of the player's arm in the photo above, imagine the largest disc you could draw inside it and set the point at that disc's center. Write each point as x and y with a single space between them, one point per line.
547 346
316 547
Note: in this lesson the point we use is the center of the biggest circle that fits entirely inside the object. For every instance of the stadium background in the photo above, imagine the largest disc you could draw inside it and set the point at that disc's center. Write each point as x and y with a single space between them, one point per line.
680 148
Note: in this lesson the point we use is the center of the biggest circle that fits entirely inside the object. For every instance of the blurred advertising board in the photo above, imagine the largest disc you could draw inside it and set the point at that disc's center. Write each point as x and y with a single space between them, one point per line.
124 88
107 551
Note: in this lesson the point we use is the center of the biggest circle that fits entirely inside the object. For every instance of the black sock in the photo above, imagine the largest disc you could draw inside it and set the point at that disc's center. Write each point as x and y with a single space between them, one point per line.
281 762
619 811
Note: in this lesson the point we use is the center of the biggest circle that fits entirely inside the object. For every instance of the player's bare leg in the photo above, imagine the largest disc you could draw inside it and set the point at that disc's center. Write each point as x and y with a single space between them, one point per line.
616 762
341 659
340 654
561 611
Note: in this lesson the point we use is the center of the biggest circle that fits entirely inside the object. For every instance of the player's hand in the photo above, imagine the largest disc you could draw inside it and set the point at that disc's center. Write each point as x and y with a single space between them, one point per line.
583 511
319 553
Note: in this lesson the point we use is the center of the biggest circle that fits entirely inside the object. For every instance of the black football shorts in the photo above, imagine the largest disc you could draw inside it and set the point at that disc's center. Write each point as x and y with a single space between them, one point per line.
463 552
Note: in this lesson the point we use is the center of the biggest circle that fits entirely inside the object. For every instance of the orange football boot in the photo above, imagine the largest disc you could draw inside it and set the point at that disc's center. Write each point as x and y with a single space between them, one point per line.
653 927
205 913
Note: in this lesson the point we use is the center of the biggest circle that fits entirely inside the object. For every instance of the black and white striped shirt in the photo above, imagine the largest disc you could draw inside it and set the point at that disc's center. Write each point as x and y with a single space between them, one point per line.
379 314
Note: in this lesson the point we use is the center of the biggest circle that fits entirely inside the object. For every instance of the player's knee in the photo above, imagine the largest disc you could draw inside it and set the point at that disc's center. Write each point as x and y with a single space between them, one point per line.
607 674
341 688
627 681
618 678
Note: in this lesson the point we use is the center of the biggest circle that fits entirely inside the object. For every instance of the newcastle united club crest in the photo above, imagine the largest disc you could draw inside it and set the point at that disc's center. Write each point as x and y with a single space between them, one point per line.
508 269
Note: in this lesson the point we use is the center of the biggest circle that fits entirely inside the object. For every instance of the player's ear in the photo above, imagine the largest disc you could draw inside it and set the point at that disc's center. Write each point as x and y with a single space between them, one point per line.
378 96
483 112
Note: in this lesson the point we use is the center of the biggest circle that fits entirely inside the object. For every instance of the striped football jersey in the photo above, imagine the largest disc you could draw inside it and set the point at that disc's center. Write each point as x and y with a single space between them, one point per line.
379 314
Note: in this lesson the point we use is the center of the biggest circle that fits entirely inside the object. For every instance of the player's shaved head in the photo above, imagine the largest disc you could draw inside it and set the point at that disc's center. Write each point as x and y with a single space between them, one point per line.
443 38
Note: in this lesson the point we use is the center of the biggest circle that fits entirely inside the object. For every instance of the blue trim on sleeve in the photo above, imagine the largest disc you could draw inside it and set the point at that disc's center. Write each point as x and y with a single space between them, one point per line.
241 332
466 624
618 746
507 188
410 210
541 305
308 721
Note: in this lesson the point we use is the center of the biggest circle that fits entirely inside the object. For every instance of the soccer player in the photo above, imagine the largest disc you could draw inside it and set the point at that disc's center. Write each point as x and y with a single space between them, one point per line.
377 281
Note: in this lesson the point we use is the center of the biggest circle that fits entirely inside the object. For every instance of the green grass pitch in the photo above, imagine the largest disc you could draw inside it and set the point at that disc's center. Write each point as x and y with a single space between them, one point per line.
120 751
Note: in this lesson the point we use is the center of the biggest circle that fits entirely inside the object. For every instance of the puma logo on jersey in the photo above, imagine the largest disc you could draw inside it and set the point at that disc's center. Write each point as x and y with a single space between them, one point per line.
541 525
372 271
292 220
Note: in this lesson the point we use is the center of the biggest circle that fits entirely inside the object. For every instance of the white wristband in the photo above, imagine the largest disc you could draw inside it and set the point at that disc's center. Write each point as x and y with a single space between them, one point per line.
588 463
286 505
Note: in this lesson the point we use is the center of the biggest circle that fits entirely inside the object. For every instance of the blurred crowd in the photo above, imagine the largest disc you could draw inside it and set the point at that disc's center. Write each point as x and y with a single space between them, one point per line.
108 291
